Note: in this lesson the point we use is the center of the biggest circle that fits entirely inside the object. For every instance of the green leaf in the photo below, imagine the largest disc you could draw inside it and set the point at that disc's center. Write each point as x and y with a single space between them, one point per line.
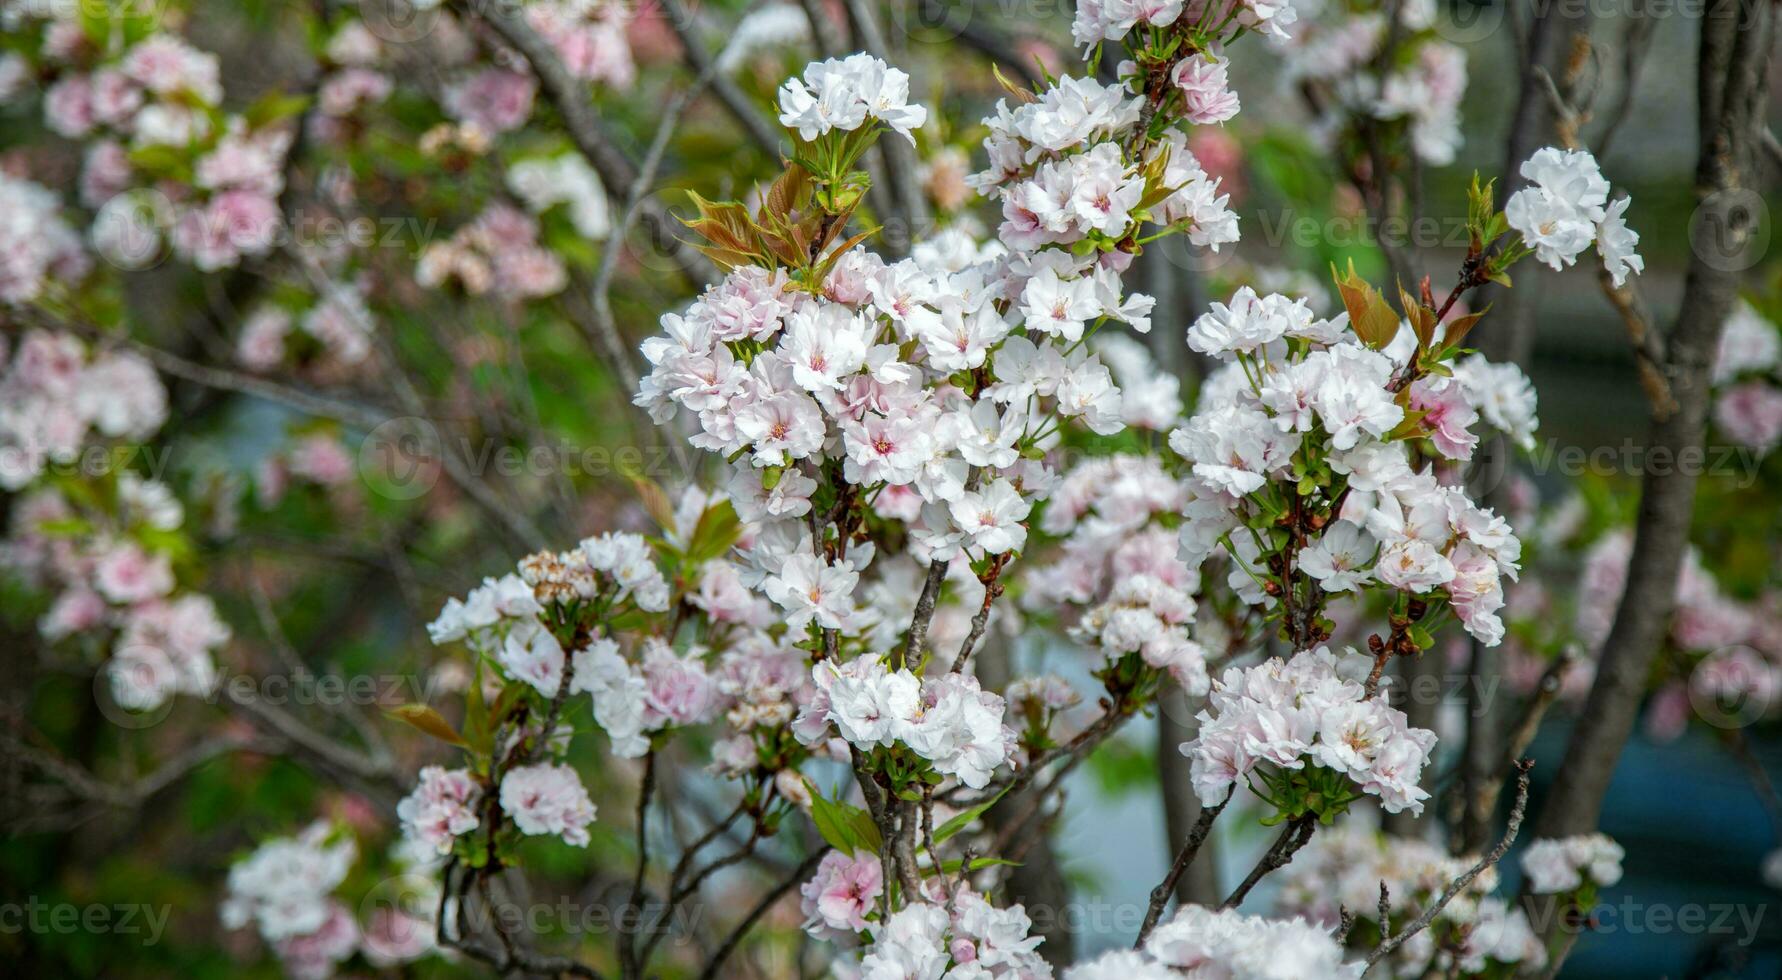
845 827
160 160
274 106
717 530
66 527
965 818
1370 316
427 720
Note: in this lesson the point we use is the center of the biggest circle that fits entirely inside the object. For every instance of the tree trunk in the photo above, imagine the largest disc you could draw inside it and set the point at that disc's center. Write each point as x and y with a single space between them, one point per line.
1037 882
1735 41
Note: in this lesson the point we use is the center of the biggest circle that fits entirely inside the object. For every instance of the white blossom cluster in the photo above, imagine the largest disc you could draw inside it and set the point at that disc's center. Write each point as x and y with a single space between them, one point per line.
36 244
1117 570
55 396
57 403
441 808
975 940
843 93
946 719
1565 864
549 799
1565 208
1298 386
1199 942
566 179
337 320
1112 20
1748 395
1289 714
506 618
286 889
1336 47
1060 168
1342 869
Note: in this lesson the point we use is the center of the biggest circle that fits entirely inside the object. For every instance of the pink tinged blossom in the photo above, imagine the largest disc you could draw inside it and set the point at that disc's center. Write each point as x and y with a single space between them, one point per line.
321 459
236 223
678 689
494 99
346 91
314 955
548 799
121 396
261 346
1751 413
68 107
841 893
126 574
105 173
1412 565
1749 343
166 65
442 807
1447 415
75 611
531 654
992 517
1206 91
1340 559
810 590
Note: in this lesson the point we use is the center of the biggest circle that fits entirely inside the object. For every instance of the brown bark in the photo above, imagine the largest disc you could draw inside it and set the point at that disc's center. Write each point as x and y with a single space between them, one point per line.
1731 92
1038 882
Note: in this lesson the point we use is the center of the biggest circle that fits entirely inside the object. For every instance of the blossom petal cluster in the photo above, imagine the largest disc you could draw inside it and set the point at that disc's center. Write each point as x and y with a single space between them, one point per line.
1198 941
1565 208
549 799
1299 387
843 93
1555 865
948 720
967 937
1290 714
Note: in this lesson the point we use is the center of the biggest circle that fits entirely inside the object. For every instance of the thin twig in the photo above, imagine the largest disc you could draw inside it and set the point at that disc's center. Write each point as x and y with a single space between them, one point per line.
1190 850
767 901
1459 884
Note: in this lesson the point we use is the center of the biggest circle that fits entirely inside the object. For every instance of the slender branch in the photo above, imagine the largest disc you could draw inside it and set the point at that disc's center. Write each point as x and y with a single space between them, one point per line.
735 937
628 915
570 97
1294 836
759 131
1458 885
1190 849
